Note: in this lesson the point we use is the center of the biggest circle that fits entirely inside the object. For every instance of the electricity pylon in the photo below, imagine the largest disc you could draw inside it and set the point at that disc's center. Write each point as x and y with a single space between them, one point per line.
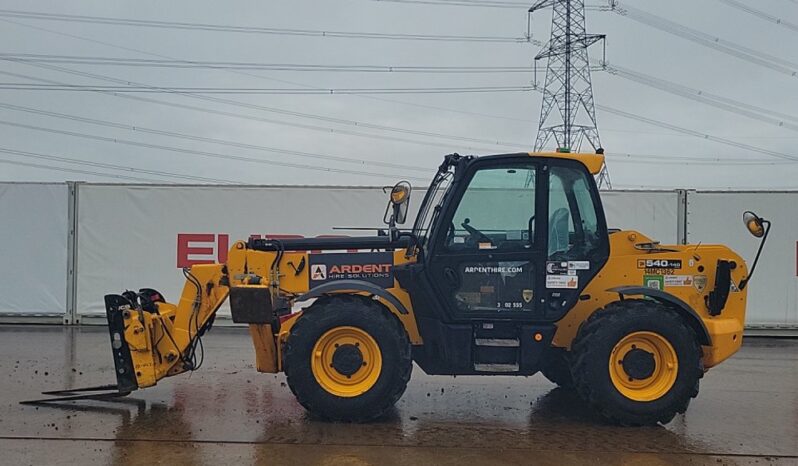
568 114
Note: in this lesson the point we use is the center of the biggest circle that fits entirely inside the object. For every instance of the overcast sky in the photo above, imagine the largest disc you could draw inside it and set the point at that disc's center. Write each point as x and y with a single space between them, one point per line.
497 122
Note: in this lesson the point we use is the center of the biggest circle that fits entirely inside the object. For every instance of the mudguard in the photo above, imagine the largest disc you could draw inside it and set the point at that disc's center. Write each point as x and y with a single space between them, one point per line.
684 309
340 286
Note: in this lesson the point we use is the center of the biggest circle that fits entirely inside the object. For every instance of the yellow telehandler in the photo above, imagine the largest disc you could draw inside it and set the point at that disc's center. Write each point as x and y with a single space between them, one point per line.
509 269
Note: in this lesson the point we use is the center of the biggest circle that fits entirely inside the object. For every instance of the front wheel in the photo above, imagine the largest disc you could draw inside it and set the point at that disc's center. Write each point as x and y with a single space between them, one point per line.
347 359
637 363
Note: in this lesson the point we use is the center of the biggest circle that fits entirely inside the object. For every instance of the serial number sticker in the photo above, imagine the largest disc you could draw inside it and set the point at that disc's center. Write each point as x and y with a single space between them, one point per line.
659 263
509 305
569 282
651 271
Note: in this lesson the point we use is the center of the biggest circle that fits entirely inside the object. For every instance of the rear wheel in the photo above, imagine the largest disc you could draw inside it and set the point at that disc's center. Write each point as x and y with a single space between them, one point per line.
348 359
637 363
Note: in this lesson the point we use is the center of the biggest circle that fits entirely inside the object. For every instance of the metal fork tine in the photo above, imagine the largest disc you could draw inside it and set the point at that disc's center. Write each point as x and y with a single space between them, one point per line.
97 388
89 396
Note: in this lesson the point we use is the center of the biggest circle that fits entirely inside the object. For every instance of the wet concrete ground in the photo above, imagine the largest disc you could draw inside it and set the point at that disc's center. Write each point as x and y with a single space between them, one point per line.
227 413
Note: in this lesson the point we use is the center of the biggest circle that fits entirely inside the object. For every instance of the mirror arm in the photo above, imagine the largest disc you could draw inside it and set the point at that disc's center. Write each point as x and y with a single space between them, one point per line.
393 232
745 280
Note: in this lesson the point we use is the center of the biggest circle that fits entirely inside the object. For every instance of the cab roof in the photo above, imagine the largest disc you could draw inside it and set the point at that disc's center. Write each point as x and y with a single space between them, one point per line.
593 162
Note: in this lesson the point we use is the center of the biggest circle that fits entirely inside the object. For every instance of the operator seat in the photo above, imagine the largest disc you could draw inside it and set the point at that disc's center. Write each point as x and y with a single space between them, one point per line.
558 230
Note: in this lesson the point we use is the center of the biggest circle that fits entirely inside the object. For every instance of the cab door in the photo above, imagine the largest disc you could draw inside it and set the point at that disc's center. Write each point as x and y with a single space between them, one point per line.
577 243
488 252
519 239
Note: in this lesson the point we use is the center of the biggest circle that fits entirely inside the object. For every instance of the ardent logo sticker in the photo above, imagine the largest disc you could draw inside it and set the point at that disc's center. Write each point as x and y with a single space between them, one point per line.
372 267
319 272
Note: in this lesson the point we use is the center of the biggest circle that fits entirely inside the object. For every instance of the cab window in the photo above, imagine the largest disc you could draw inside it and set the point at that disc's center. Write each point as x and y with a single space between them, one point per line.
573 223
497 210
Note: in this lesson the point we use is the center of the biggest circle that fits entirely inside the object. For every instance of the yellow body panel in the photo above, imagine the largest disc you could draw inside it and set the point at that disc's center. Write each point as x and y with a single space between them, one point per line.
158 341
265 351
622 268
593 162
292 283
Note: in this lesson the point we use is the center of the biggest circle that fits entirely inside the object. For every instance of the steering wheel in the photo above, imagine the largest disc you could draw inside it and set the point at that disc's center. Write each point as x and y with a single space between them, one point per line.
473 233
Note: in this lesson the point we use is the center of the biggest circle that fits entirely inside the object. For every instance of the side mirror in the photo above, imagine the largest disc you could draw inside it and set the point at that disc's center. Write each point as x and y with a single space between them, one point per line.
759 227
754 224
396 212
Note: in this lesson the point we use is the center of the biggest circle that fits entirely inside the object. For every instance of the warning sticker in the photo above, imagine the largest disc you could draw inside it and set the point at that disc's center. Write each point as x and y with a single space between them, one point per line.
570 282
372 267
700 282
678 280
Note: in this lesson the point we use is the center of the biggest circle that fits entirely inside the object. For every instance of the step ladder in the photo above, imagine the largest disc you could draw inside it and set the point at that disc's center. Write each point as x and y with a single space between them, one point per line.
495 354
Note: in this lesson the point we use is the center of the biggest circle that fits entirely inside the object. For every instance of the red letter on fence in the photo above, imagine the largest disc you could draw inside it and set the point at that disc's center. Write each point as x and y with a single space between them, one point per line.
184 250
222 248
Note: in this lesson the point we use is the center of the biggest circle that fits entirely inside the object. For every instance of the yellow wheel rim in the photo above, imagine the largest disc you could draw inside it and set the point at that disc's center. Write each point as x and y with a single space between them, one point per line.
346 361
643 366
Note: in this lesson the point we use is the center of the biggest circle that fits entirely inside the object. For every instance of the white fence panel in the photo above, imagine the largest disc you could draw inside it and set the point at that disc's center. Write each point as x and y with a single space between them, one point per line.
33 249
716 217
140 236
653 213
135 235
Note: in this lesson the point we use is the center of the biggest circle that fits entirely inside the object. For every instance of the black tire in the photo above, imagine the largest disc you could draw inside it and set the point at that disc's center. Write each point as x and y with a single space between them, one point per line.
594 345
557 367
369 316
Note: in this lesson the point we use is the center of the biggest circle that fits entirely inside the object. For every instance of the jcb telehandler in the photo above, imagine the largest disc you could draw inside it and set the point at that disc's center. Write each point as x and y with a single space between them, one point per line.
509 269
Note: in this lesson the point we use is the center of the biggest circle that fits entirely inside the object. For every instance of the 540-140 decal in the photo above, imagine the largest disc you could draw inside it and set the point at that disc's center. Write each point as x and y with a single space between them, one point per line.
659 263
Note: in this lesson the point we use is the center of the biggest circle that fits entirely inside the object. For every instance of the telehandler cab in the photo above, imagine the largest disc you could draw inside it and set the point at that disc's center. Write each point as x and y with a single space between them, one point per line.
509 269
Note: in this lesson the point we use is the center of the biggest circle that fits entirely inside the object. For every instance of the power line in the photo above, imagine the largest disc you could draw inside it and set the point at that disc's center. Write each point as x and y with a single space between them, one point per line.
697 134
615 157
74 170
623 114
761 14
697 95
730 48
257 76
215 155
258 90
648 187
250 29
481 4
223 142
253 106
605 108
371 97
620 157
69 160
225 65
